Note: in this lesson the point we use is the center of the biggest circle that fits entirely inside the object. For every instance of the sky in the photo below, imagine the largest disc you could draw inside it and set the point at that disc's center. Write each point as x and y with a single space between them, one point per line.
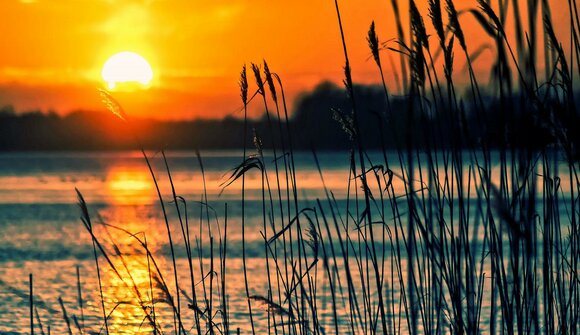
54 50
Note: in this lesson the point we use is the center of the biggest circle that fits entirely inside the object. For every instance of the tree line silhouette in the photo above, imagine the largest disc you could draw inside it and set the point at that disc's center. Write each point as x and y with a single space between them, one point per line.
320 119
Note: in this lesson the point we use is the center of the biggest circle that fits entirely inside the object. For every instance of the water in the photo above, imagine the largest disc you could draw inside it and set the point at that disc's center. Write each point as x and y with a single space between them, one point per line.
41 233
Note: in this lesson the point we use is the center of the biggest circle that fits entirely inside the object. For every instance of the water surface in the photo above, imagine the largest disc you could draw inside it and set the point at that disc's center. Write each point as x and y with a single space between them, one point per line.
41 233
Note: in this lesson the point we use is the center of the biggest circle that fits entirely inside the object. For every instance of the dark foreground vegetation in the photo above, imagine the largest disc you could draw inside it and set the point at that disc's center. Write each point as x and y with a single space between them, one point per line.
480 236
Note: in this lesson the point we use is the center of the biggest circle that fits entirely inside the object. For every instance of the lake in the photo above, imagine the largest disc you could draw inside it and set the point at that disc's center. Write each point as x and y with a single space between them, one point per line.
41 233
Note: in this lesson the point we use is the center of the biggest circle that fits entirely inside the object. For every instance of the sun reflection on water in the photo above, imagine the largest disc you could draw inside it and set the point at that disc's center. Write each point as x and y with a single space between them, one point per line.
129 185
134 294
134 297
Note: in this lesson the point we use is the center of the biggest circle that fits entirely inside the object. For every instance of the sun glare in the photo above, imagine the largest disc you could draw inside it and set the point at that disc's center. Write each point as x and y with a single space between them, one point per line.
129 185
126 68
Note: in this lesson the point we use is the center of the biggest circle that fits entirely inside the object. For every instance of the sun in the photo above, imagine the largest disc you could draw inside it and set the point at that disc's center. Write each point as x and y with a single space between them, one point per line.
126 68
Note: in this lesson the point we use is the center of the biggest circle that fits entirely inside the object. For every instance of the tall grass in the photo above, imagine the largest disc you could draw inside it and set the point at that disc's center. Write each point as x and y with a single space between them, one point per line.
464 237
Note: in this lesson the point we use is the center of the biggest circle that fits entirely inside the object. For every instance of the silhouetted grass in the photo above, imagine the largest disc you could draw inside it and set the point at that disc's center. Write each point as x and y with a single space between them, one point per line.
433 239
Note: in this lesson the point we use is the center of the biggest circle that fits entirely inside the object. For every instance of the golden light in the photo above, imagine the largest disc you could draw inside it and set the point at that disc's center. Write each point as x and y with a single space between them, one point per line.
133 289
130 185
125 68
134 272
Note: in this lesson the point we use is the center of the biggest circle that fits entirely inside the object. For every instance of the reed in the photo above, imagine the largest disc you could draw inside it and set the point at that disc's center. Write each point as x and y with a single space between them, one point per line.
31 304
464 235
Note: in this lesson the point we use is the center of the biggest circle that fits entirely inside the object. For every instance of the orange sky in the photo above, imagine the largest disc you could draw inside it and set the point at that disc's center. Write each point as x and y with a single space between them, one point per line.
53 50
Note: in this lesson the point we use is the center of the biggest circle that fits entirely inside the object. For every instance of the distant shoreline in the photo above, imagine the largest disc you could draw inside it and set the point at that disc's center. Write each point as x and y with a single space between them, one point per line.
320 122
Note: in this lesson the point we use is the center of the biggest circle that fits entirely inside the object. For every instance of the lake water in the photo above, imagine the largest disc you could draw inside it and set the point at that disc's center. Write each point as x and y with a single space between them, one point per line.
41 233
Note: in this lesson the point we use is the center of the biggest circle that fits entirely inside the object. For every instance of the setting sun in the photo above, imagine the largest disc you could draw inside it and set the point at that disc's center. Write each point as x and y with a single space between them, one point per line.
126 67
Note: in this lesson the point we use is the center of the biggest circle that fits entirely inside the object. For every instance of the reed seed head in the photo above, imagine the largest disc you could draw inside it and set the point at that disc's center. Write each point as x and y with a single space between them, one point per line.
448 53
258 142
270 82
258 76
418 26
454 23
244 85
437 19
373 40
113 105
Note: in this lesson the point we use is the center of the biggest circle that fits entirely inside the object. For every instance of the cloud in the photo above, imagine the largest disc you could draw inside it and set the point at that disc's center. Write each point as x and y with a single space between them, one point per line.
44 75
128 20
